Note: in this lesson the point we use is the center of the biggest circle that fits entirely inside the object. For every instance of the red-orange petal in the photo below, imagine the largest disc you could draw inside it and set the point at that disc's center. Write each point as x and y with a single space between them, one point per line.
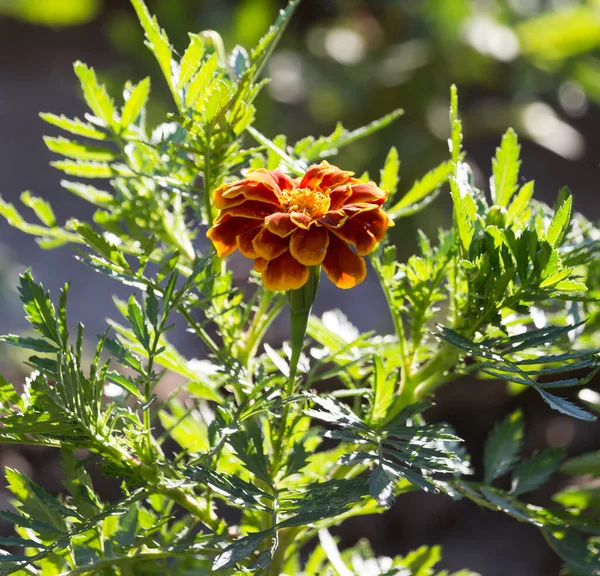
244 242
282 179
376 222
309 246
301 220
352 210
280 223
324 175
368 192
225 231
333 218
342 266
260 264
339 196
251 209
285 273
268 245
354 232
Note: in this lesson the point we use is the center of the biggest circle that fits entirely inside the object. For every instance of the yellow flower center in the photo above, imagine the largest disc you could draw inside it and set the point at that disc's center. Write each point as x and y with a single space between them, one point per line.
313 203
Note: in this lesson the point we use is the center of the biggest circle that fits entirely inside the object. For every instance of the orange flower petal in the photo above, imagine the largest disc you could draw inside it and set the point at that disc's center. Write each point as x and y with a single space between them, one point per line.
251 209
342 266
244 242
324 175
339 196
280 223
222 203
354 232
260 264
301 220
367 193
333 218
309 246
282 179
376 222
353 209
223 234
268 245
285 273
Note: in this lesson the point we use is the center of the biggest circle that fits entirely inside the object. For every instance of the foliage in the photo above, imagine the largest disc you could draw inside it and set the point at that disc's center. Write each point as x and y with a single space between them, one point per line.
267 461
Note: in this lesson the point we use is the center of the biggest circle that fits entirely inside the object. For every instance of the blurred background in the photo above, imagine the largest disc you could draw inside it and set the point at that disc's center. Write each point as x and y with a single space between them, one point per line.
530 64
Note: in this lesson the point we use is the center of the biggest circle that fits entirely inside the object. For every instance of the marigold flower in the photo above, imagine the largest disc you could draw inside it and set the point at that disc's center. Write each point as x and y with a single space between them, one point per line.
286 225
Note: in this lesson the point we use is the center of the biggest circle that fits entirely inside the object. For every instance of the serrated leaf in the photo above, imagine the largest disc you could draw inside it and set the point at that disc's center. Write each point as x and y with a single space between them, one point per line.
502 447
158 43
381 486
455 141
78 151
505 169
95 95
383 390
126 383
521 202
422 189
239 550
560 223
89 193
101 245
84 169
74 126
38 307
42 209
190 60
465 211
389 173
535 471
135 103
201 81
564 406
268 43
36 344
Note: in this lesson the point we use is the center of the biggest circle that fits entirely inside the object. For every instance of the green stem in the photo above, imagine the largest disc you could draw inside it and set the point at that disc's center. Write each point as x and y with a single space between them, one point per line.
301 301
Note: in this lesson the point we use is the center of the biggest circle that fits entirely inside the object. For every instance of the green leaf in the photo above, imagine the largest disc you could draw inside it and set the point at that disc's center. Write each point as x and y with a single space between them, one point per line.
585 464
421 561
505 169
455 141
101 245
75 126
96 96
42 209
465 213
381 486
239 550
422 189
327 145
190 60
560 223
535 471
268 43
125 383
521 203
389 173
89 193
201 80
36 344
564 406
84 169
138 96
158 42
38 308
502 447
383 390
78 151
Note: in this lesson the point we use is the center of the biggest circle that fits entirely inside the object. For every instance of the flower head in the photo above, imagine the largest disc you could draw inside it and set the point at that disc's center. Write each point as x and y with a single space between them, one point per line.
286 225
